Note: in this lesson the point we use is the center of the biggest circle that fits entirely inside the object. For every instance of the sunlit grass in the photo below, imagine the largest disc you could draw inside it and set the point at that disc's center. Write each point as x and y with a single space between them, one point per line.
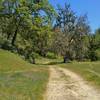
20 80
90 71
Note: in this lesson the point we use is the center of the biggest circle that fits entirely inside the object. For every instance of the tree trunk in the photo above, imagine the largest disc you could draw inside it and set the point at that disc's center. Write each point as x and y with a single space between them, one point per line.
15 34
33 60
14 38
65 59
8 36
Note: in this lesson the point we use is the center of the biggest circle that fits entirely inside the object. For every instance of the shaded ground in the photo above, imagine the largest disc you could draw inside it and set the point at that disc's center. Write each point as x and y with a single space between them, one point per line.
66 85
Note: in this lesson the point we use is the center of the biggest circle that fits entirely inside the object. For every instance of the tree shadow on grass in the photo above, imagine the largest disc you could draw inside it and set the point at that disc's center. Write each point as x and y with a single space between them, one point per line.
53 63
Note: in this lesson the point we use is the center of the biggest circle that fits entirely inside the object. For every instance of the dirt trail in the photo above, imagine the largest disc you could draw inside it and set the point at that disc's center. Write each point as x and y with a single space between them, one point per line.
66 85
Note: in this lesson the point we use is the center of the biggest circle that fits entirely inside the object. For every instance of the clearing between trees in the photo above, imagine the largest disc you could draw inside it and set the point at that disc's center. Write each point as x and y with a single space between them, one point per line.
66 85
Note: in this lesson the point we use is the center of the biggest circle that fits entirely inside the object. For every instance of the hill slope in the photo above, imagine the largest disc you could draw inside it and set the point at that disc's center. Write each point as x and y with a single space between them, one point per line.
20 80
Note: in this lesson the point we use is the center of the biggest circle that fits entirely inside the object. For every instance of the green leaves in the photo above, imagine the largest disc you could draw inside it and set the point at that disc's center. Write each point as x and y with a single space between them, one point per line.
72 30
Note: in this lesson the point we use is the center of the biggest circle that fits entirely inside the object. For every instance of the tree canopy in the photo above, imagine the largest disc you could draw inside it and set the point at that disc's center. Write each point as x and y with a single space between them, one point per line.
34 26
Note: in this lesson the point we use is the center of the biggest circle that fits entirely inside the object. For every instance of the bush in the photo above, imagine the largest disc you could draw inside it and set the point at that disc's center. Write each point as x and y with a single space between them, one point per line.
98 53
93 56
7 46
51 55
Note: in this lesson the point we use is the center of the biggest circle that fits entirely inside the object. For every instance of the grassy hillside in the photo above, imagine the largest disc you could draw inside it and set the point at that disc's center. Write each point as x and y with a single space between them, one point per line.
20 80
88 70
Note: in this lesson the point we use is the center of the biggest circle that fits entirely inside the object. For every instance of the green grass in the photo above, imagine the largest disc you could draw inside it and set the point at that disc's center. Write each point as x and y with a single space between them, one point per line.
48 61
90 71
20 80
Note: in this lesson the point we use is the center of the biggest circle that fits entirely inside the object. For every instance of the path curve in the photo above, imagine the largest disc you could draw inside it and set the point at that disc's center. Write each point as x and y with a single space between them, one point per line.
66 85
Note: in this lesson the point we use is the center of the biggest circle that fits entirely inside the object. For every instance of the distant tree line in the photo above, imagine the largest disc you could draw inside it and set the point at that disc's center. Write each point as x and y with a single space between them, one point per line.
34 26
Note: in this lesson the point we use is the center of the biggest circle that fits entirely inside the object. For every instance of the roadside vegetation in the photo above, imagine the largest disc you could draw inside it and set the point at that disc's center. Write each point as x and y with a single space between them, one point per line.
90 71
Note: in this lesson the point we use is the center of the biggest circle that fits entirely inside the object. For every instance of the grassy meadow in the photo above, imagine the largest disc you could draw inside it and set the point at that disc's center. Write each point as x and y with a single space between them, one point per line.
20 80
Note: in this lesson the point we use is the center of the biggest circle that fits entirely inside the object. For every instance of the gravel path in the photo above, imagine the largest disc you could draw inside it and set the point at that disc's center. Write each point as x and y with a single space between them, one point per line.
66 85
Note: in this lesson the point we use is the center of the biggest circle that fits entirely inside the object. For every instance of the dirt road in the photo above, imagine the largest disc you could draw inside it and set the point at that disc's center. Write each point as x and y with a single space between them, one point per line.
66 85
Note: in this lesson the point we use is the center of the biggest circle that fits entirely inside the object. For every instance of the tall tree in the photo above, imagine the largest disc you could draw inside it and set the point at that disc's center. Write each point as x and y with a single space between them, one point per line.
70 39
66 23
81 33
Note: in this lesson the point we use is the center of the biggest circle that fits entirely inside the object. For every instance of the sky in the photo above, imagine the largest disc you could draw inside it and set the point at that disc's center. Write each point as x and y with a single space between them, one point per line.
81 7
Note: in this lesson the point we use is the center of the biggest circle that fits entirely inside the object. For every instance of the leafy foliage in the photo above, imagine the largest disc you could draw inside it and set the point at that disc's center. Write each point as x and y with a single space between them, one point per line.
70 38
34 26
